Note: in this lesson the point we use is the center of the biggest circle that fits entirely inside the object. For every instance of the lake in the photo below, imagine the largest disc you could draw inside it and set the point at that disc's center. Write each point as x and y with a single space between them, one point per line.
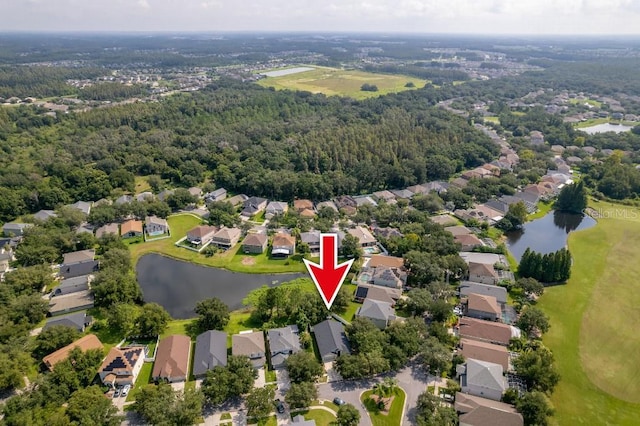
547 234
605 127
177 285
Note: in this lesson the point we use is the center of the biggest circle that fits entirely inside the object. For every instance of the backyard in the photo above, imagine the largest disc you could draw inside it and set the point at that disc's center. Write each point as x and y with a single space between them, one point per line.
594 341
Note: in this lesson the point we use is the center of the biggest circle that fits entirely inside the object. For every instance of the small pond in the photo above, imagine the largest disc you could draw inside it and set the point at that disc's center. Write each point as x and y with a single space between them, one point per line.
606 127
547 234
179 285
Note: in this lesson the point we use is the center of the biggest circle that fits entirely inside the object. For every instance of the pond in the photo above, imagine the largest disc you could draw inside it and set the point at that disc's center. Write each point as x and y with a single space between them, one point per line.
606 127
178 286
547 234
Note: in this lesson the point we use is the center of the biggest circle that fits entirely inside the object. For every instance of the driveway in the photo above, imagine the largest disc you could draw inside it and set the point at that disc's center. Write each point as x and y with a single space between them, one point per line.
284 383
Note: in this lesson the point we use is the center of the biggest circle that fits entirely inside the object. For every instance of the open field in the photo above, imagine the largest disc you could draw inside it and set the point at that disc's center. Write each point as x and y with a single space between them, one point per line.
593 321
333 81
231 259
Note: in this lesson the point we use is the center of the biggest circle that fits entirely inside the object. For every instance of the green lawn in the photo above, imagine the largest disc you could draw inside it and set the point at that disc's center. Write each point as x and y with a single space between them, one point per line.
591 102
543 209
142 185
593 318
321 417
393 418
181 223
270 376
269 421
334 81
143 379
177 327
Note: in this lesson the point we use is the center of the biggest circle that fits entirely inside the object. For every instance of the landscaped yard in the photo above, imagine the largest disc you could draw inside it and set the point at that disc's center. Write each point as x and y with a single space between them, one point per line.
269 421
231 259
143 379
334 81
593 323
394 416
321 417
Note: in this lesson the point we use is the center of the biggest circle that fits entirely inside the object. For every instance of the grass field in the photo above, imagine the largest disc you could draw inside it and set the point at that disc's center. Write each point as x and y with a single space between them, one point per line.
543 209
334 81
393 418
321 417
231 259
593 320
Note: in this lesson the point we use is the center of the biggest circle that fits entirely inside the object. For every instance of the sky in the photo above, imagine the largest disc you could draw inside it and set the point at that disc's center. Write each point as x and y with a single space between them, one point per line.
588 17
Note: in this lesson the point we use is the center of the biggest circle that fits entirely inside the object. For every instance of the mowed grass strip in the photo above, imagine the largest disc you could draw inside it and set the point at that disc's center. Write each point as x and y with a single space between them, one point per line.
593 333
334 81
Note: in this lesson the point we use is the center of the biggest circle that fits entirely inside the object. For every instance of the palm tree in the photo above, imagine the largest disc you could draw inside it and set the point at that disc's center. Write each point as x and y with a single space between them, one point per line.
385 389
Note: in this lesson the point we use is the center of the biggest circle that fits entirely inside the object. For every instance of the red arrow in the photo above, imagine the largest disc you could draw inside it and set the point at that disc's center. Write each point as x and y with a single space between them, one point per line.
328 276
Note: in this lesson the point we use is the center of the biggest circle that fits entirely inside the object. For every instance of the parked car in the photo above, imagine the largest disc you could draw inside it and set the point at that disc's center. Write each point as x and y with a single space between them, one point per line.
338 401
117 393
279 406
125 390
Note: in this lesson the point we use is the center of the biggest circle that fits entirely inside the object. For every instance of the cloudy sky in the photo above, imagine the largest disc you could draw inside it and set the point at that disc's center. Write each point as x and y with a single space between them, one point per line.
416 16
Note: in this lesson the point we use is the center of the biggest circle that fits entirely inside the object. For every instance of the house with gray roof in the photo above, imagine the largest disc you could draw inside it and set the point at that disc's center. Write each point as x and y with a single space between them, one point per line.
163 195
299 420
328 204
253 206
154 225
44 215
484 379
123 199
78 263
276 207
72 302
210 351
283 342
82 206
72 285
144 196
402 193
14 229
380 313
78 321
385 195
215 195
109 228
437 186
331 340
365 200
468 287
250 344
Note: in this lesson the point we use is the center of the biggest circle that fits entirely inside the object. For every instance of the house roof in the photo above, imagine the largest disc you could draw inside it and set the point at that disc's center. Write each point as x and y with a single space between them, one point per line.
467 287
210 351
15 226
443 219
300 205
164 194
283 342
75 301
483 303
78 256
344 201
458 230
83 206
484 351
237 199
109 228
478 411
374 293
195 191
311 237
482 270
363 235
277 206
90 341
402 193
329 204
387 275
229 234
282 239
485 375
144 196
299 420
155 220
255 240
131 226
123 199
364 200
418 189
121 360
78 269
376 309
172 357
387 232
331 338
248 344
378 260
76 320
201 231
73 284
309 213
468 240
384 195
44 215
489 331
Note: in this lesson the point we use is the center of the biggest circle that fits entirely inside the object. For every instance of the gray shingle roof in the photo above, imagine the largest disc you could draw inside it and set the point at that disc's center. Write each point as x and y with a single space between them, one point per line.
282 343
376 309
331 338
210 351
77 320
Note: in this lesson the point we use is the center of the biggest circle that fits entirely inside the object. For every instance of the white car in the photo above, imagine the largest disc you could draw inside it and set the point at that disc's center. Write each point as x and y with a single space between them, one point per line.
125 390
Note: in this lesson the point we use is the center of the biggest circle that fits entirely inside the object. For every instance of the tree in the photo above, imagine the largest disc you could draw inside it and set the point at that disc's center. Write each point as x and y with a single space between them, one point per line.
300 395
52 339
407 336
348 415
260 402
366 87
161 405
235 379
112 286
153 320
384 389
123 317
30 309
180 199
431 412
419 301
11 371
303 367
435 356
213 314
516 217
573 198
351 247
530 286
89 407
535 408
532 320
29 279
536 368
422 268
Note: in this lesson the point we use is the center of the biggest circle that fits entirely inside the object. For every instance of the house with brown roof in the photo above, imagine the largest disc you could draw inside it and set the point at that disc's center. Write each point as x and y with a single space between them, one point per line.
385 195
301 205
283 245
378 260
172 359
109 228
201 235
482 273
250 344
486 331
457 230
484 351
364 236
85 343
478 411
255 243
482 307
131 228
226 237
468 242
122 366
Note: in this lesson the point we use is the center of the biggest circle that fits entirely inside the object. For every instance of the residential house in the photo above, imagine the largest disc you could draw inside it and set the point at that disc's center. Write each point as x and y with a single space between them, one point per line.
72 285
380 260
154 226
85 343
573 160
71 302
145 196
78 263
345 201
460 182
382 294
458 230
389 277
124 199
467 287
402 194
365 200
478 411
275 208
283 342
78 321
255 243
78 256
364 236
254 206
386 196
484 351
44 215
236 200
201 235
380 313
536 138
5 259
122 366
82 206
84 228
486 331
437 186
302 205
497 205
131 229
172 359
250 344
484 379
418 189
14 229
483 273
283 245
387 232
299 420
210 351
226 237
468 242
328 204
331 340
163 195
216 195
312 239
110 228
482 307
195 192
443 220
